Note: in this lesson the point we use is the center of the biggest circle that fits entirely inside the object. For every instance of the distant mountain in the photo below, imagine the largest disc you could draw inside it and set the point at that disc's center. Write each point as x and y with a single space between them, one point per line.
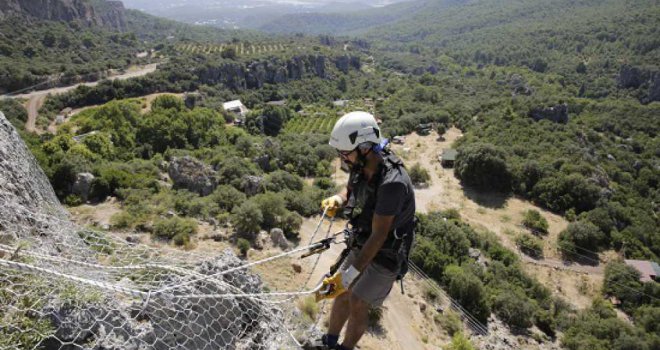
343 22
246 13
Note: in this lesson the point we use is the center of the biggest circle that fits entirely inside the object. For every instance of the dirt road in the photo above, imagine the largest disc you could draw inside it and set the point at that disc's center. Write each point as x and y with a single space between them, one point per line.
36 99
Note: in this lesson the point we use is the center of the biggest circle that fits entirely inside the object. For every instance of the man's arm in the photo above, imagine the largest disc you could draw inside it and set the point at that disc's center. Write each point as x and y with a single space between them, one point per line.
380 227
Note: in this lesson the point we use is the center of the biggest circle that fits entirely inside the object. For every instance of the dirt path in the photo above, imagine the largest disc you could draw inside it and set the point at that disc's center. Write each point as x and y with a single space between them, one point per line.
36 98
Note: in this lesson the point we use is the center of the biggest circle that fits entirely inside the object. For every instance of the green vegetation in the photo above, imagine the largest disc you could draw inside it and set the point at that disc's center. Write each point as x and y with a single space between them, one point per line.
530 245
501 287
419 175
243 246
599 328
450 322
176 229
460 342
533 220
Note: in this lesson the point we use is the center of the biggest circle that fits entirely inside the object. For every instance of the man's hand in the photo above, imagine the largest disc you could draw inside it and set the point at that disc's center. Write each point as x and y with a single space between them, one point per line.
337 284
331 205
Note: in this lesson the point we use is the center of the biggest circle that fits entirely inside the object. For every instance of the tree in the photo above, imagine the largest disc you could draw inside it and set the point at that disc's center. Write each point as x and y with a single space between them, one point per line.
514 308
468 290
247 219
581 234
483 166
273 117
280 180
228 53
622 281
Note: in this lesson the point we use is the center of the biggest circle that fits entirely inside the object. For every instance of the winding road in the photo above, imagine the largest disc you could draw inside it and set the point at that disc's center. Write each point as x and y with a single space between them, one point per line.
36 99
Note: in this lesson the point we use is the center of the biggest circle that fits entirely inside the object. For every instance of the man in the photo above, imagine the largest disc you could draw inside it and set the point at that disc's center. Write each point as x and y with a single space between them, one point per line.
379 203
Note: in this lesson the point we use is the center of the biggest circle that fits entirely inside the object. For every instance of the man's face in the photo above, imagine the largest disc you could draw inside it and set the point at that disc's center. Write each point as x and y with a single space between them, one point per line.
348 157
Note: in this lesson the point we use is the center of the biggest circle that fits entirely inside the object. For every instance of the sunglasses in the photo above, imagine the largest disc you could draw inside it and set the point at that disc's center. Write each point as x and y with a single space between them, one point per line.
345 154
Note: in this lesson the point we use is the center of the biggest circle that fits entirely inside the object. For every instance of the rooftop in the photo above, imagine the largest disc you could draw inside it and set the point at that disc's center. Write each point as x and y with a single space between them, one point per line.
449 154
649 270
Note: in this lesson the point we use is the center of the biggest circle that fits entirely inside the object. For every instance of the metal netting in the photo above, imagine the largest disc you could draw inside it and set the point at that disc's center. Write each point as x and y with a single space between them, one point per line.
90 290
63 286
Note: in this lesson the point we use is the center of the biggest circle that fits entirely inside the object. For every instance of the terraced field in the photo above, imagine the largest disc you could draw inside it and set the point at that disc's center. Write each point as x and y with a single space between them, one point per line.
241 49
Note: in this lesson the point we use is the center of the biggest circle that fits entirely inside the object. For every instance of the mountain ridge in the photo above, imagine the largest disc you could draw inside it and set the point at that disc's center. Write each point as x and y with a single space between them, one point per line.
109 14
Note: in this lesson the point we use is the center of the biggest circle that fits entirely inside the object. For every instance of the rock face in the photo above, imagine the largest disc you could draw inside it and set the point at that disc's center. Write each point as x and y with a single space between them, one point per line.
631 77
25 192
252 185
557 114
109 14
654 90
193 175
271 71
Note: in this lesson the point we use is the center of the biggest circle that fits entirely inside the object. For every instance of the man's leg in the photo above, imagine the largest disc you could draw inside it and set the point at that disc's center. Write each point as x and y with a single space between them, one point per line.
339 314
357 322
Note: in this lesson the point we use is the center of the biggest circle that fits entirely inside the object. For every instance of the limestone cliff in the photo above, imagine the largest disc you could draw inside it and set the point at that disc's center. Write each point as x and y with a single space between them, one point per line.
109 14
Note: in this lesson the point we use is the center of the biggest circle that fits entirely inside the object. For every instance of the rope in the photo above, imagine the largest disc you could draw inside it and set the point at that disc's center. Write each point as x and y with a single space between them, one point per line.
27 267
242 267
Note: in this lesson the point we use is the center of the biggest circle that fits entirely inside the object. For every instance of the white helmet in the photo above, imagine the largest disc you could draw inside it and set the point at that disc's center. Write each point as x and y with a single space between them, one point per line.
353 129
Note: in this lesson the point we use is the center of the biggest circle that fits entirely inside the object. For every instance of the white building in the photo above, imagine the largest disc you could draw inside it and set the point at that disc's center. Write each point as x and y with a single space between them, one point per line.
235 106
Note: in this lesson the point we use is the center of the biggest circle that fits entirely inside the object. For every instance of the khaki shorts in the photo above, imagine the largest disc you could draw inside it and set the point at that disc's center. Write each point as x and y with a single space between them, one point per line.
374 284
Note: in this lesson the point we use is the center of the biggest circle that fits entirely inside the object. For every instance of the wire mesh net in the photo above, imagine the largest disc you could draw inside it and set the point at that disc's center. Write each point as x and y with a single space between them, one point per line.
63 286
91 290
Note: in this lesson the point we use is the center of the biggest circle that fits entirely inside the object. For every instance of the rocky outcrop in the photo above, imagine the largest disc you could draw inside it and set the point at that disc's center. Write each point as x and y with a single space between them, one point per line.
82 186
346 62
631 77
193 175
557 114
109 14
278 238
25 193
254 75
654 89
252 185
519 86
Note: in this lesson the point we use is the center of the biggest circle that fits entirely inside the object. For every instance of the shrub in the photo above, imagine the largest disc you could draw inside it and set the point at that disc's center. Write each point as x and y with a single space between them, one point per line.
514 308
243 246
72 200
450 322
309 307
534 221
530 245
460 342
177 229
375 316
419 175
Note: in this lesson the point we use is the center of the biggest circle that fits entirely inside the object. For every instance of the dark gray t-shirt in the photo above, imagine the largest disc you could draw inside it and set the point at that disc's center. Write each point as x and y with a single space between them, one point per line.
395 196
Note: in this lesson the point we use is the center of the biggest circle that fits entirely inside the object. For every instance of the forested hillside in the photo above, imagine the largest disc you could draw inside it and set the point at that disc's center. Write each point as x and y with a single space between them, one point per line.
55 52
558 102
